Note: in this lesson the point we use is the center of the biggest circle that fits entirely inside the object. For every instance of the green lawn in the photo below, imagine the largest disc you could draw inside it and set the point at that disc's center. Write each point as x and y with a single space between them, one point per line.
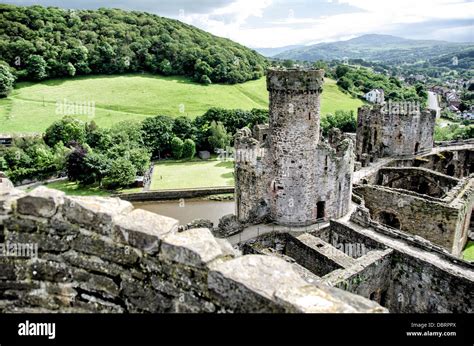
31 107
172 174
468 253
74 189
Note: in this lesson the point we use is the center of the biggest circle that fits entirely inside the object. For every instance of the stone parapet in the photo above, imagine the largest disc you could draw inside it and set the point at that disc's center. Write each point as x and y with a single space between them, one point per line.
93 254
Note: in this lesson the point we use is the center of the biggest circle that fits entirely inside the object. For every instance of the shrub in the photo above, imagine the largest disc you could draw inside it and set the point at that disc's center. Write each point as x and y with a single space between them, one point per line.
189 149
177 147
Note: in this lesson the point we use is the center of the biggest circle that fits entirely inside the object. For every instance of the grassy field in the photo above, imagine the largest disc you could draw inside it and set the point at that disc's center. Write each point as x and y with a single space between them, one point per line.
175 174
74 189
468 253
32 107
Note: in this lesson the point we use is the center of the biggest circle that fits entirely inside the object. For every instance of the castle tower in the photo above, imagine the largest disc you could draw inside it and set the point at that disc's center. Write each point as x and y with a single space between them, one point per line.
293 142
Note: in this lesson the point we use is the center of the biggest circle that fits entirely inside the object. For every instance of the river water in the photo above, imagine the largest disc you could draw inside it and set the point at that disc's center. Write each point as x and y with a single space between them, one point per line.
187 210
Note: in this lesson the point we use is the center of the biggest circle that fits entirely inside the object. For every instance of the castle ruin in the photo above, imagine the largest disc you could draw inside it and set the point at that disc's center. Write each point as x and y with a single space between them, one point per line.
287 172
398 251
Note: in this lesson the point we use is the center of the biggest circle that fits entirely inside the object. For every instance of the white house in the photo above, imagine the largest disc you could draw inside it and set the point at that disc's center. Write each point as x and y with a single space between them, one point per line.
375 96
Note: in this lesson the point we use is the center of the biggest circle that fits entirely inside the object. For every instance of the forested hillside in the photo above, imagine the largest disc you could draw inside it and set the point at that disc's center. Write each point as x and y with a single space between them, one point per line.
40 43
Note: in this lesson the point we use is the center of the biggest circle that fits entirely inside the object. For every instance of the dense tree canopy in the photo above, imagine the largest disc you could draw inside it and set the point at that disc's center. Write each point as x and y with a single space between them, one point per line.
6 80
360 80
42 42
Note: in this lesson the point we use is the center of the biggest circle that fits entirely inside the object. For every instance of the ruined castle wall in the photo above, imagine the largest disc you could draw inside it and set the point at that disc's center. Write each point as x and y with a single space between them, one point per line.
252 178
385 132
338 233
421 287
392 207
310 257
456 163
334 180
369 278
101 255
368 135
418 180
401 281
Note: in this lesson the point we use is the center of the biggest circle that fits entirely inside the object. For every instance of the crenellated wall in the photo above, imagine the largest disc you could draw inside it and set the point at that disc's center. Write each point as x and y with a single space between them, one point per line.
93 254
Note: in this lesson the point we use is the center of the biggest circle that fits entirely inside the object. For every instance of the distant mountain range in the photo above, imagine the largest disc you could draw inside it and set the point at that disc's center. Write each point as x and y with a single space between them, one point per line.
380 48
271 52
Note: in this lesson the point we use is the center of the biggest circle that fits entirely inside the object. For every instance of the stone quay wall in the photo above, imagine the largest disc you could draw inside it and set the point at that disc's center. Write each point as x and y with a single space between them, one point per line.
93 254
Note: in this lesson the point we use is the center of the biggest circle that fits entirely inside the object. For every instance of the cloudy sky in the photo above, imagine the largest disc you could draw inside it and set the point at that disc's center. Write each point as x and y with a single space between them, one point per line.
276 23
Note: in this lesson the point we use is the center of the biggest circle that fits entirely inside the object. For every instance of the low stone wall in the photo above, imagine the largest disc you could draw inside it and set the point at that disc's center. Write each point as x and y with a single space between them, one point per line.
101 255
175 194
453 143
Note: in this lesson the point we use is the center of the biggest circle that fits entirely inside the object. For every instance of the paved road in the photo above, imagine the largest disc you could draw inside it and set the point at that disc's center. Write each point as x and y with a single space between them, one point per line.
433 103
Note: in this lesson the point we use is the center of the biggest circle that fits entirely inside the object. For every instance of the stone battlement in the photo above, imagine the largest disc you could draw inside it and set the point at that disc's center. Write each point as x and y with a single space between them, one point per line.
94 254
295 80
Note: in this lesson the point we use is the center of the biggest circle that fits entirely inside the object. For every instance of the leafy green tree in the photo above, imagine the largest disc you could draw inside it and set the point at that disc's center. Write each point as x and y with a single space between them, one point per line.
166 68
16 158
65 130
6 81
97 165
157 134
71 70
140 159
99 138
288 63
183 127
122 173
219 139
36 67
343 120
341 71
345 83
76 167
177 147
127 132
189 149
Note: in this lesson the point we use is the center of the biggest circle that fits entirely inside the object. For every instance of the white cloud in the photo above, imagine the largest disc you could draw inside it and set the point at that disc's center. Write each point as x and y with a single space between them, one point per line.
371 16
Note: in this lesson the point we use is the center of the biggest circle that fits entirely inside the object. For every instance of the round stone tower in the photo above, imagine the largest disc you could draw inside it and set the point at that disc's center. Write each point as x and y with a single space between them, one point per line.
293 140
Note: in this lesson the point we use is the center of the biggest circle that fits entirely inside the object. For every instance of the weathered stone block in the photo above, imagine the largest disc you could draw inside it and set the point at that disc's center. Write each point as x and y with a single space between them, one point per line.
95 212
143 229
24 223
312 299
229 225
194 247
47 270
7 200
96 284
88 303
41 202
92 263
141 297
248 283
41 241
103 247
